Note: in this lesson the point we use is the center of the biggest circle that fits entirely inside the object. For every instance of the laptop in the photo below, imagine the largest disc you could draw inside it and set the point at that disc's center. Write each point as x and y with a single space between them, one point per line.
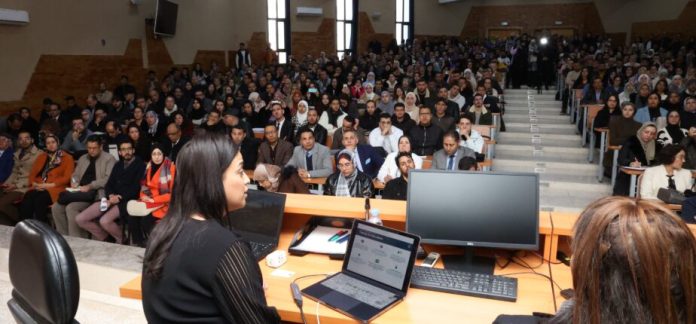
260 221
375 276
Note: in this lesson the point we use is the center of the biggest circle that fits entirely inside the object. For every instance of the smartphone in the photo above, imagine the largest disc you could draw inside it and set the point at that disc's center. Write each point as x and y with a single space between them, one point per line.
430 260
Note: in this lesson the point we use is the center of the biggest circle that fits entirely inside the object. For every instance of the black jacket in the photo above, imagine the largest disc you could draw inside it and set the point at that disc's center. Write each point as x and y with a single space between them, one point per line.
369 122
125 181
425 140
396 189
250 152
320 134
404 125
361 187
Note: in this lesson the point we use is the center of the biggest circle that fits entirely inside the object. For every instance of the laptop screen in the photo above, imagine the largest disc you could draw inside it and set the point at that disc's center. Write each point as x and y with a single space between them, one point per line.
382 255
262 215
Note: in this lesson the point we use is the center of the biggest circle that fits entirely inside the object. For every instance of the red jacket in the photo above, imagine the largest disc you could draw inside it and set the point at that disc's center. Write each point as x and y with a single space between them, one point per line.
152 181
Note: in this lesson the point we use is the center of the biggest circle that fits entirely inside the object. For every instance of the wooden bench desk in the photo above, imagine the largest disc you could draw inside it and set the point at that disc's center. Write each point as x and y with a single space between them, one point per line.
419 306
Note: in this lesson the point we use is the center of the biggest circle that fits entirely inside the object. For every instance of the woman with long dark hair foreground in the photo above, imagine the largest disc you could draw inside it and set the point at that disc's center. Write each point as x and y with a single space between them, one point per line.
195 270
633 262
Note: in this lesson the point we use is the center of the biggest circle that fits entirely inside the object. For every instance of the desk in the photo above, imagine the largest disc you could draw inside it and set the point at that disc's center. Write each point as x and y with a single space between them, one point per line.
419 306
634 173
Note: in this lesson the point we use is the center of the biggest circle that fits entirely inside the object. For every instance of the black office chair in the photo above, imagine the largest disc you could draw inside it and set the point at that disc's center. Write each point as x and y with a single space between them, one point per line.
43 272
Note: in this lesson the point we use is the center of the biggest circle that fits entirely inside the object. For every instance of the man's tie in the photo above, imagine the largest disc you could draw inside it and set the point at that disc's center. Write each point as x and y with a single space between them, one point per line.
450 162
670 182
308 161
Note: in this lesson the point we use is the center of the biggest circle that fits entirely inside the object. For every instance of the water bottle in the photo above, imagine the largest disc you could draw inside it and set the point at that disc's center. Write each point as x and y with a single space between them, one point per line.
374 217
104 205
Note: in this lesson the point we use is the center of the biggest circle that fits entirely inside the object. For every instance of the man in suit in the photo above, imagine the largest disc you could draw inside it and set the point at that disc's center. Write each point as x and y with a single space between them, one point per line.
175 141
311 159
479 114
596 95
320 133
91 172
284 126
14 187
274 150
367 159
248 145
448 157
349 123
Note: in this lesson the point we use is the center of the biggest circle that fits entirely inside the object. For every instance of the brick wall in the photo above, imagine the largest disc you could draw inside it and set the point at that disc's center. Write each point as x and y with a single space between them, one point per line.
684 25
581 16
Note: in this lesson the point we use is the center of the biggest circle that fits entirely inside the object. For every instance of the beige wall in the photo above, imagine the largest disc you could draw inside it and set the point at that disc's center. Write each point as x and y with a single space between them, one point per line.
619 15
384 24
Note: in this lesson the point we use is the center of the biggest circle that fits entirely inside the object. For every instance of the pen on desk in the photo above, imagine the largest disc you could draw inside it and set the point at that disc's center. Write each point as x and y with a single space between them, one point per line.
343 238
337 235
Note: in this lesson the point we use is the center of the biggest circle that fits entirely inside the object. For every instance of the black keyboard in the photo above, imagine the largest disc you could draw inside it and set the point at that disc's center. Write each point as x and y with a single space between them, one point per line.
465 283
260 250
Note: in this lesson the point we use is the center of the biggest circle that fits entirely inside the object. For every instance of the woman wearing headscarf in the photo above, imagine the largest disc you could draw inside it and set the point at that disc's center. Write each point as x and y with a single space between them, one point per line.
155 192
300 117
49 176
348 181
672 133
638 151
256 101
155 129
271 178
197 113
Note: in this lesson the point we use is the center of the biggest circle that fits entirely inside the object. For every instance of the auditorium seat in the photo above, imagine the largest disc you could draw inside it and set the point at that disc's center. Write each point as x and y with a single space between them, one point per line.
44 276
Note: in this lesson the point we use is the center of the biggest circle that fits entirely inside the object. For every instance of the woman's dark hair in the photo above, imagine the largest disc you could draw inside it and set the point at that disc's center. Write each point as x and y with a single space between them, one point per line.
466 163
197 190
668 153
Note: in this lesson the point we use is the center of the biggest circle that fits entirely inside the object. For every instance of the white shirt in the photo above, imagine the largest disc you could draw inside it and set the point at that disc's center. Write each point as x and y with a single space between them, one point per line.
389 143
655 178
475 141
389 167
459 100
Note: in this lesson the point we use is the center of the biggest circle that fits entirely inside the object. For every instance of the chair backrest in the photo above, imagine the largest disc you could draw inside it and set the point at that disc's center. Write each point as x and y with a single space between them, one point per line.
578 94
592 111
427 164
44 276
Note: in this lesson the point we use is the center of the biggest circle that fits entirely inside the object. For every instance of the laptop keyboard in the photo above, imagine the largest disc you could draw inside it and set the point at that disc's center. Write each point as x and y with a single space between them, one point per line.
260 250
359 290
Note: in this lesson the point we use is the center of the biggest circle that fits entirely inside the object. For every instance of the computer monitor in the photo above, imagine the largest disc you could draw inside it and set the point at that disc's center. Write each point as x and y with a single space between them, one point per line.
474 209
260 220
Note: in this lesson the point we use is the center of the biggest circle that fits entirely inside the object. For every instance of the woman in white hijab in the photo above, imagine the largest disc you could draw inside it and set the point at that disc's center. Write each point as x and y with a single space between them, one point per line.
411 108
300 118
256 101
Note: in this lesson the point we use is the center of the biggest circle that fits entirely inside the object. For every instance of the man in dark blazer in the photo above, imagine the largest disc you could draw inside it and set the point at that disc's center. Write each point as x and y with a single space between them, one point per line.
320 133
274 150
311 159
596 95
248 145
368 160
284 125
448 157
174 142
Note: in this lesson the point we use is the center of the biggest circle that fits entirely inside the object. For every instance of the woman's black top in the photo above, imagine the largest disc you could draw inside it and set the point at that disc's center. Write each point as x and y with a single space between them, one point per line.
209 276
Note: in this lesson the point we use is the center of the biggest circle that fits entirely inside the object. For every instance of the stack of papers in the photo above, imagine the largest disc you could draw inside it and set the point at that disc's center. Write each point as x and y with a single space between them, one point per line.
319 241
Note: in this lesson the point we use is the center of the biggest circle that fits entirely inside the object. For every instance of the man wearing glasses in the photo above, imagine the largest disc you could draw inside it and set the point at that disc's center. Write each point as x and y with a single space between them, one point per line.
100 218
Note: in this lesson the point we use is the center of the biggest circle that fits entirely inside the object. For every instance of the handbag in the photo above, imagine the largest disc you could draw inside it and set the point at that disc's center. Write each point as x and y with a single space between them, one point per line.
67 197
139 208
670 196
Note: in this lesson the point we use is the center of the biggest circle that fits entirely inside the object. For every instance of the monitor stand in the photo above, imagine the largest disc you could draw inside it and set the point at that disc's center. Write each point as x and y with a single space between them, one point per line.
469 262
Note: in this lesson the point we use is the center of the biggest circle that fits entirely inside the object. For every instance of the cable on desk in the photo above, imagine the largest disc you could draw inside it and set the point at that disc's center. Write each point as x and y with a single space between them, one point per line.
317 311
553 289
297 294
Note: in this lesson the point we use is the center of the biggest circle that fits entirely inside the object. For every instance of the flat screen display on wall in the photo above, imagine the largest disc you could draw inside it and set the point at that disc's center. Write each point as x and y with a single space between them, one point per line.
165 18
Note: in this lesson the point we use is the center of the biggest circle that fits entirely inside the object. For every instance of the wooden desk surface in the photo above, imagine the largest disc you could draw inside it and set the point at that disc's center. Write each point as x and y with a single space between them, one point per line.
419 306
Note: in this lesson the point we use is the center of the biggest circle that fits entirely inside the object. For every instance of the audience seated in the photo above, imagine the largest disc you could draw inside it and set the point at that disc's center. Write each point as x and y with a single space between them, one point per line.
610 109
401 119
688 115
17 184
386 136
348 181
112 136
367 159
300 117
155 192
442 118
668 174
448 157
6 156
397 188
637 151
672 133
76 140
274 179
320 133
612 279
469 137
349 123
141 143
155 129
332 118
104 219
426 136
87 185
174 142
311 159
597 95
480 115
689 144
274 150
390 169
652 111
248 146
371 118
468 163
49 176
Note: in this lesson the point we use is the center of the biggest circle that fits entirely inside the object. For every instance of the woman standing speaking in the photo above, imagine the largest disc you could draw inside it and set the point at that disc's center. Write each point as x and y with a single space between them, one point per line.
195 270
